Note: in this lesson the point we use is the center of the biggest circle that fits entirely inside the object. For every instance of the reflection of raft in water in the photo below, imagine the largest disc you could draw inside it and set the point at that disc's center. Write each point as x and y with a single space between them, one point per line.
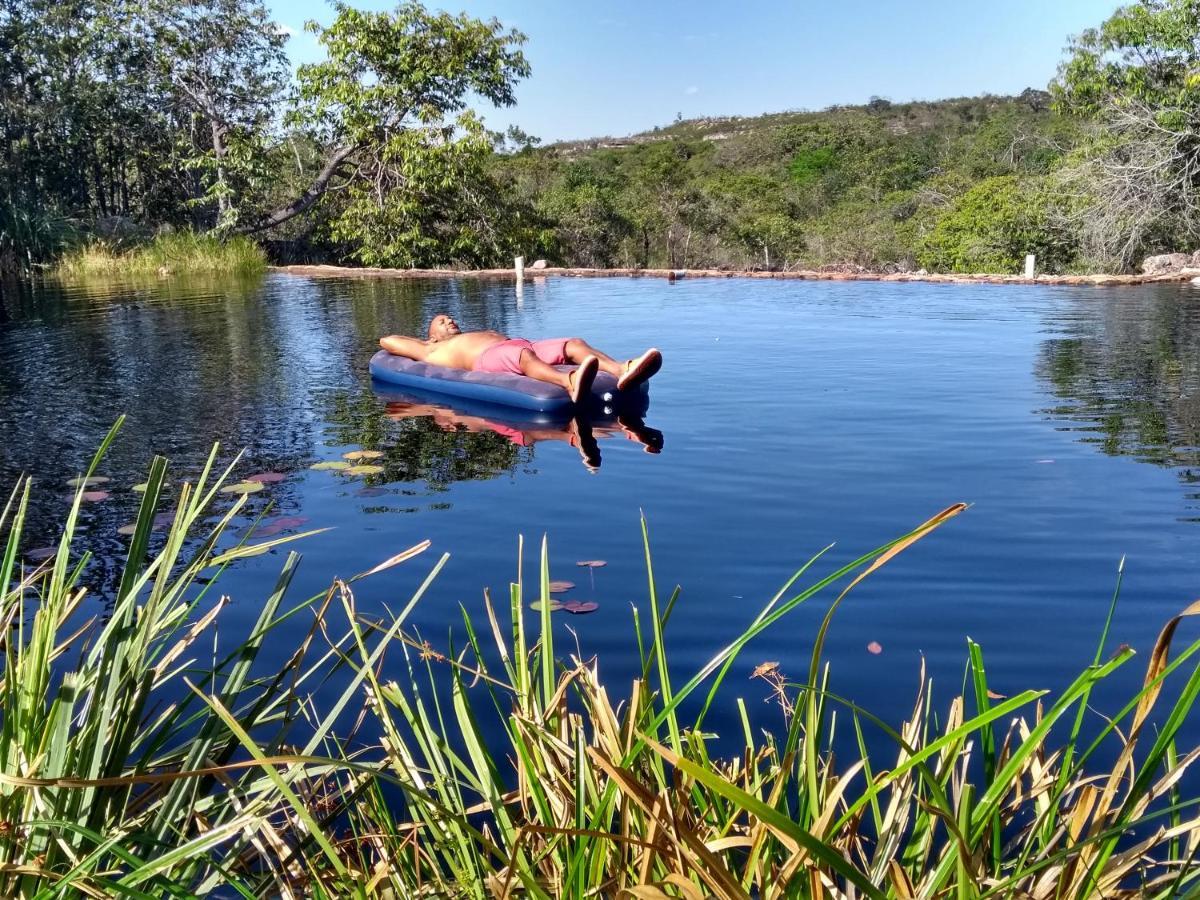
516 392
524 427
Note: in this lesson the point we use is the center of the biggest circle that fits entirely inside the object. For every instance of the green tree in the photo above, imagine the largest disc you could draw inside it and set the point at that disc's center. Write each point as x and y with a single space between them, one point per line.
1136 78
388 102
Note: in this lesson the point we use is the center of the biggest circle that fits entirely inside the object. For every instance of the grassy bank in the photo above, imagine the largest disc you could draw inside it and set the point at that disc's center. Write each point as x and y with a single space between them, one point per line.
140 761
168 254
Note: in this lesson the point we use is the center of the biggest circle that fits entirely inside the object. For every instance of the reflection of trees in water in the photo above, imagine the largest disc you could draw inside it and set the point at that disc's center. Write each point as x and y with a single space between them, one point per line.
418 449
1130 378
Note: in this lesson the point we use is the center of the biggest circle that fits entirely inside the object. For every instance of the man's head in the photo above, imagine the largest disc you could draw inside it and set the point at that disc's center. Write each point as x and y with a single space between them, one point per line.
443 326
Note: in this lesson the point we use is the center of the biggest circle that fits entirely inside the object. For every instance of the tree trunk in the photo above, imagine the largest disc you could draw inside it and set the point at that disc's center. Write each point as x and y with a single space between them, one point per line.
222 187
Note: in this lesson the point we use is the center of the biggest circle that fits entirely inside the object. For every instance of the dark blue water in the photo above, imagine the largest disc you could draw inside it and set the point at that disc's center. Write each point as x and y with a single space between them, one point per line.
792 415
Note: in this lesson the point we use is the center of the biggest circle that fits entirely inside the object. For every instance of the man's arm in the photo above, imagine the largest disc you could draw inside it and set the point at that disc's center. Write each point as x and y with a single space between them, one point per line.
413 348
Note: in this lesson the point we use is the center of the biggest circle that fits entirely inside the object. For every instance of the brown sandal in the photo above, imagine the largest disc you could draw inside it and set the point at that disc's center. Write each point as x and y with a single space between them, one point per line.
639 371
581 379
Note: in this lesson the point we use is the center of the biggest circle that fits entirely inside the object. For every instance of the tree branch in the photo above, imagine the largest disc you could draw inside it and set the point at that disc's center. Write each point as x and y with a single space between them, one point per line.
306 200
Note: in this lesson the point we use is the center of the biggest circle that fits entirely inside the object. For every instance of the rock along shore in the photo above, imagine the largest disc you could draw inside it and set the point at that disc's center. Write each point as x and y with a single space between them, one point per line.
673 274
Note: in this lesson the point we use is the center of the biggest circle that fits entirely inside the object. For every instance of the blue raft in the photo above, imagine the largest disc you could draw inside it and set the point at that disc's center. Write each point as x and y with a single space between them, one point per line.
517 391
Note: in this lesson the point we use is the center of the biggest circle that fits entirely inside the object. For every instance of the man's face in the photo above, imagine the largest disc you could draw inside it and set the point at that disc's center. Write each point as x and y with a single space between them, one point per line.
442 327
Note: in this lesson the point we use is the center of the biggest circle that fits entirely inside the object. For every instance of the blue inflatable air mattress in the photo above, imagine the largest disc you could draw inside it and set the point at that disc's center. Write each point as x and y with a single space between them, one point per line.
518 391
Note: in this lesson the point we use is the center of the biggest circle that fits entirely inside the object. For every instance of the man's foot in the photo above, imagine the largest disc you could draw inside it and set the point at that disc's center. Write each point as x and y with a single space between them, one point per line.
640 370
581 379
635 429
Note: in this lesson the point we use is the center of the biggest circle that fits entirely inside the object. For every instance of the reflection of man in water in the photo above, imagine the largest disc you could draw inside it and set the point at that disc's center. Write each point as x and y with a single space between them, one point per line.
579 433
490 351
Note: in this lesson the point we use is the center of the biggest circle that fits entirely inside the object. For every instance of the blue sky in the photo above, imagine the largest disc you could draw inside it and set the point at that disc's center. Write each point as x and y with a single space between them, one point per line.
620 67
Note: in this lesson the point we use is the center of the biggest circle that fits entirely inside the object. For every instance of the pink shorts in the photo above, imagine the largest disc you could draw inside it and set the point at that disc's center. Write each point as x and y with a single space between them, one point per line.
506 356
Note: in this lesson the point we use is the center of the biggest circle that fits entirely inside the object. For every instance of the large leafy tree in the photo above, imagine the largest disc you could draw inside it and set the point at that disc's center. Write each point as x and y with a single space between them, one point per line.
1137 78
390 104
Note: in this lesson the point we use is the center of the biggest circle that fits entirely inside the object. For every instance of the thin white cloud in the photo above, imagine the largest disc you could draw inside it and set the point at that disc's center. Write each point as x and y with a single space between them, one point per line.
692 90
286 29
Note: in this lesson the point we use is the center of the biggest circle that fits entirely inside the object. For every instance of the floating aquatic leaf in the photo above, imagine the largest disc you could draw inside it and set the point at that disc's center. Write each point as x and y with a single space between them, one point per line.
127 530
592 563
364 470
142 488
995 695
89 482
39 554
553 606
362 454
242 487
335 465
558 587
266 477
875 647
372 492
579 607
269 527
95 496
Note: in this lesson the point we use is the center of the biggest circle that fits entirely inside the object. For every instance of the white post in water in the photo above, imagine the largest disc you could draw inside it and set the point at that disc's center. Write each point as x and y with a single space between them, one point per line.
1030 264
519 264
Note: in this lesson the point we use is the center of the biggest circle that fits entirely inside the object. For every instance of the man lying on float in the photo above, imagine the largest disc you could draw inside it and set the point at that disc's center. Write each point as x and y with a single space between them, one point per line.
490 351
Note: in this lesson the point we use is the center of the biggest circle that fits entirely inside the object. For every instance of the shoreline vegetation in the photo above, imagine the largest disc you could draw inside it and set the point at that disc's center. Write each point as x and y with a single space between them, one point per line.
326 271
178 253
202 123
143 758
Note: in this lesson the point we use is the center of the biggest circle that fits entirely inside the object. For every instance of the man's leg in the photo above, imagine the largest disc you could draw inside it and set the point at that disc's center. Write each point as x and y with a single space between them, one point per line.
577 349
629 374
577 383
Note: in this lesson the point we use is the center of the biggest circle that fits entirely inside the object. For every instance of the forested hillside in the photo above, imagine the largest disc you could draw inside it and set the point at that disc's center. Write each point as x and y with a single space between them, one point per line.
882 186
122 120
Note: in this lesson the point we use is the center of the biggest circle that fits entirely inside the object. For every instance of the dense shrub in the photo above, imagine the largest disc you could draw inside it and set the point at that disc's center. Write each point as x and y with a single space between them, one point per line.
995 224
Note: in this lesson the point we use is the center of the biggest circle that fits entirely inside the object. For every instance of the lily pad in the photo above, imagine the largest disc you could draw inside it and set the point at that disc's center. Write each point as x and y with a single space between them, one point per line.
40 554
580 607
127 530
145 486
269 527
95 496
372 492
331 465
558 587
554 606
875 648
243 487
591 563
366 469
266 477
90 482
362 454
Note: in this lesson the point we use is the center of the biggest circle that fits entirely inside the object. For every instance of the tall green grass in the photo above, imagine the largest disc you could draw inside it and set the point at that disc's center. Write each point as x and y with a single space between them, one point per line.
30 237
181 252
143 757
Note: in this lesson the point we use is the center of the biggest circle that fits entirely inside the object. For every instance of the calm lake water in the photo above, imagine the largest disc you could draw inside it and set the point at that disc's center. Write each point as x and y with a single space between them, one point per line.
789 415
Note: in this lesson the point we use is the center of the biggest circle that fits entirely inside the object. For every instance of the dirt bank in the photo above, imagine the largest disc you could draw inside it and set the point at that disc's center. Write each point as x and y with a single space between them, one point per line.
345 272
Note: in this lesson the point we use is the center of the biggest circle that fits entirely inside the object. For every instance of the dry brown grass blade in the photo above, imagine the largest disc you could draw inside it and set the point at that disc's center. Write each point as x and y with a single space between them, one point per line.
192 633
1158 661
402 556
903 544
900 881
708 866
645 892
690 891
